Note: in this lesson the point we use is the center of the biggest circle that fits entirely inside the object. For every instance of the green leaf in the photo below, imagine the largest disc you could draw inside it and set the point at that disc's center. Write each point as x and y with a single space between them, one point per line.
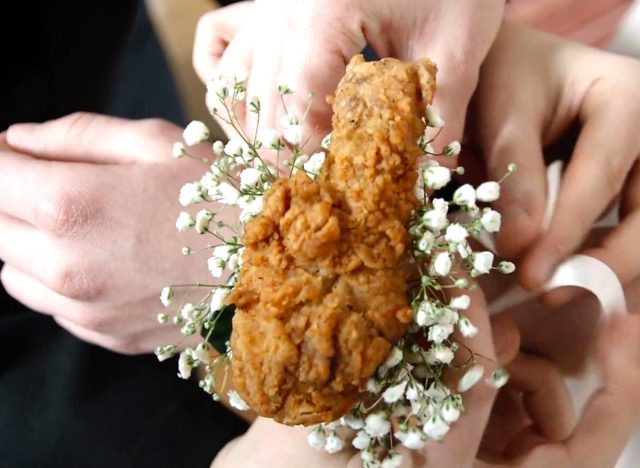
217 328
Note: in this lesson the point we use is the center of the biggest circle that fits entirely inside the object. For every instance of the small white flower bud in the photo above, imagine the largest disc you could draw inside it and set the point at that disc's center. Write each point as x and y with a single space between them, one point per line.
506 267
218 298
433 118
190 193
465 196
435 219
249 177
203 219
470 378
413 438
460 302
326 141
439 333
467 329
270 138
393 394
334 443
228 194
315 163
488 191
165 352
179 150
233 148
449 412
166 296
442 264
436 427
436 176
186 250
452 149
285 85
316 438
294 134
456 233
491 220
218 147
185 364
482 262
162 318
196 132
425 244
184 221
377 424
361 441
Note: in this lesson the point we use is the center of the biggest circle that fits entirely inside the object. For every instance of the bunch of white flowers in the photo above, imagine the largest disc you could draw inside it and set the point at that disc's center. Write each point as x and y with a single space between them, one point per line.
406 401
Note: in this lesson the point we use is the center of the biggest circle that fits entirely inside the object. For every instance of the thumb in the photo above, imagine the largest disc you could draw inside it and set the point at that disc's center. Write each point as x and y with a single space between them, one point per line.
92 138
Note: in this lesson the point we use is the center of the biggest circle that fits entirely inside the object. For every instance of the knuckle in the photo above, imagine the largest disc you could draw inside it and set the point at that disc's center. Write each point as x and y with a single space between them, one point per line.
74 282
65 213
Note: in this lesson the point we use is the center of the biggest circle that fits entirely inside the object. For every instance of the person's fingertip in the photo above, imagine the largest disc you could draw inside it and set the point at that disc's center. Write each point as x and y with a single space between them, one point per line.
17 134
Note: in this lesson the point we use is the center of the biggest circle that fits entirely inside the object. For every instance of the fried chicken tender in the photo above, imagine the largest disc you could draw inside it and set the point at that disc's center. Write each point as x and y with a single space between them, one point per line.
321 296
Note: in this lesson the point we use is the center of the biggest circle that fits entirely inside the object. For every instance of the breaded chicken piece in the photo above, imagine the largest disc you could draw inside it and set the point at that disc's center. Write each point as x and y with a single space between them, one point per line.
321 295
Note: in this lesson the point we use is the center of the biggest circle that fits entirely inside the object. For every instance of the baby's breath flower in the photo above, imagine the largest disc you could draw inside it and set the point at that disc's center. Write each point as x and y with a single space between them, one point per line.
412 438
393 359
452 149
249 177
191 193
392 460
433 118
294 134
435 219
467 329
228 194
414 390
374 386
440 204
203 352
317 438
442 264
450 411
215 267
219 87
440 353
196 132
186 250
438 392
361 440
465 196
488 191
436 176
236 401
393 394
439 333
179 150
377 424
498 378
460 302
251 207
334 443
482 262
218 298
253 105
491 220
314 165
166 296
425 244
436 427
470 378
203 219
271 139
285 85
353 421
185 364
456 233
218 147
162 318
165 352
506 267
233 148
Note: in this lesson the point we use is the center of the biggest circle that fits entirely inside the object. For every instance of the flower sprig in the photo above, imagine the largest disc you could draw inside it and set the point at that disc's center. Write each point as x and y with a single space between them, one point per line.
406 401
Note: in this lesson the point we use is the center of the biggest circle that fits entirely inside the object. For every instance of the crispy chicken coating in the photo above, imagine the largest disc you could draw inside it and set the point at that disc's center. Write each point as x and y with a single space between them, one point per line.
321 296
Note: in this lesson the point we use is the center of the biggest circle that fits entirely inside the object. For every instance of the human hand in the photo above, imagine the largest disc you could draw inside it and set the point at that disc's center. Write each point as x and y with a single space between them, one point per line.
269 444
310 42
533 422
87 212
533 88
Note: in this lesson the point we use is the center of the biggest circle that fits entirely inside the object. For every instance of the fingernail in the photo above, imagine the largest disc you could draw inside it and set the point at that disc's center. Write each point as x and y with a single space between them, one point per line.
17 132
